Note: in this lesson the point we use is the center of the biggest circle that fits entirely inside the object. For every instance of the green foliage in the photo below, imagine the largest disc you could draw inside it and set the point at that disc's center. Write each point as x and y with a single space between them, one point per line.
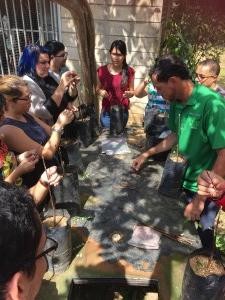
220 242
193 33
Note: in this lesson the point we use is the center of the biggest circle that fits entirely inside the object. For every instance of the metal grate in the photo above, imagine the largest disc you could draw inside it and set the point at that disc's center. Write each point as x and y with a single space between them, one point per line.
23 22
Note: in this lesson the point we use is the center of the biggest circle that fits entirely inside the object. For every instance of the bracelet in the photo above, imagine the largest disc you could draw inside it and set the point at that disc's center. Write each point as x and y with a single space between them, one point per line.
44 184
58 130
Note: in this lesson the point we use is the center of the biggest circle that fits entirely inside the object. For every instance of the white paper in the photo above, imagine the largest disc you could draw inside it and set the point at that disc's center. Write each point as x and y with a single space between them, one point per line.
145 237
112 146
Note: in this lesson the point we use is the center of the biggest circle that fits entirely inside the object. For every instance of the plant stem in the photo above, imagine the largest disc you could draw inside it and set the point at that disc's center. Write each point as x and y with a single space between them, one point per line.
50 193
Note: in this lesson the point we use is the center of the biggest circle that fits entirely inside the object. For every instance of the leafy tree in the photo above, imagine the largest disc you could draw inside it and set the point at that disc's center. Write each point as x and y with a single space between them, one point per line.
193 30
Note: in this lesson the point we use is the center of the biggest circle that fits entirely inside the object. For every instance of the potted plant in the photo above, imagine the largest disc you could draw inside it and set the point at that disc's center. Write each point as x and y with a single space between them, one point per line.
204 276
172 177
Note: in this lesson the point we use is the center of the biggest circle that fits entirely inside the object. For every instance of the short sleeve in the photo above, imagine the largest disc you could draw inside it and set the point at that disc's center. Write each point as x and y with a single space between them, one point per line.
214 123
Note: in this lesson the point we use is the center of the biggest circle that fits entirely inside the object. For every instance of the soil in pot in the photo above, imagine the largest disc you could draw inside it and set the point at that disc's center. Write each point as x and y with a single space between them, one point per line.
172 177
59 230
202 280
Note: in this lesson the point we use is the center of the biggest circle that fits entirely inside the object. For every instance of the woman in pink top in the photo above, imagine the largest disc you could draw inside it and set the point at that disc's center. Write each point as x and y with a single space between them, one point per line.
115 85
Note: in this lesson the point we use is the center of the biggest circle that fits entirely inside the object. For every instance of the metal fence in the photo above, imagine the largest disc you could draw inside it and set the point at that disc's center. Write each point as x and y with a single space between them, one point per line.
23 22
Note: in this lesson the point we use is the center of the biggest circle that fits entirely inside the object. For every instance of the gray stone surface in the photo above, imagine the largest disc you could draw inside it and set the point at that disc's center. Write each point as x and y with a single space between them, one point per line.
127 199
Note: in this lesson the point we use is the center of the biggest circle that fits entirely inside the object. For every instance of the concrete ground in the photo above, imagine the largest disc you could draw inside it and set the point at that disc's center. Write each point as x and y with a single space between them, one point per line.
116 200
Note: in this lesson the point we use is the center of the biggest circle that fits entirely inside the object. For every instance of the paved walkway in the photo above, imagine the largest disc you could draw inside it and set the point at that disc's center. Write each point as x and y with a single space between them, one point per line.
118 199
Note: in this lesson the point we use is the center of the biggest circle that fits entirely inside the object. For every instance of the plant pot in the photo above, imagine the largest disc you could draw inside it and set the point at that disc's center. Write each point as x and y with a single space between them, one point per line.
84 130
117 119
73 153
66 193
155 122
60 232
203 281
152 141
172 177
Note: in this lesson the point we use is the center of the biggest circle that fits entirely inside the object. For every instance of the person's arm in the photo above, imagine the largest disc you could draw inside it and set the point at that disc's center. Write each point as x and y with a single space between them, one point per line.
130 92
165 145
40 189
66 79
141 90
26 143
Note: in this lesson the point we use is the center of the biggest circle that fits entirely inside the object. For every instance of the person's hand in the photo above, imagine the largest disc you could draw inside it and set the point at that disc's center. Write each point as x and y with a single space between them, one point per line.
103 93
28 156
210 184
128 94
68 78
64 118
72 107
27 165
138 161
51 177
194 209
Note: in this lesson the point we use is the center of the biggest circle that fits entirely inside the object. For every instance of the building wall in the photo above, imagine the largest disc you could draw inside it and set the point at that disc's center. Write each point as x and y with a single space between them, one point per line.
137 22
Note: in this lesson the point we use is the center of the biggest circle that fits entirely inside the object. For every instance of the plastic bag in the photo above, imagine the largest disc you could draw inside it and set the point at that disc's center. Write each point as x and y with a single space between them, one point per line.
172 177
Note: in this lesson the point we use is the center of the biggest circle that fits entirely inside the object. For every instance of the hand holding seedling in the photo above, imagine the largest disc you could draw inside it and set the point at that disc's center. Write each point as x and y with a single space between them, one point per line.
210 184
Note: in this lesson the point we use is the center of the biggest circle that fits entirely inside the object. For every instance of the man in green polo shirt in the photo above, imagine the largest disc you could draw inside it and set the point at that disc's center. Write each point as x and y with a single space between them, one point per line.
197 122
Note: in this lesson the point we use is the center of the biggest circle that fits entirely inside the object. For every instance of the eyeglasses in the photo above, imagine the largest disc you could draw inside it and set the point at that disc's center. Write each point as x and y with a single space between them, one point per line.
64 55
26 98
201 76
44 62
50 246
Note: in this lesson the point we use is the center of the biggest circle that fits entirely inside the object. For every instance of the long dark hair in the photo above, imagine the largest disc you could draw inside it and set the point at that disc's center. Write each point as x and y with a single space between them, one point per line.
121 46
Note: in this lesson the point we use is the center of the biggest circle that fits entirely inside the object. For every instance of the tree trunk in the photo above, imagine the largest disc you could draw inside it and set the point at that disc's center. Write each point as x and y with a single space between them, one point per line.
84 24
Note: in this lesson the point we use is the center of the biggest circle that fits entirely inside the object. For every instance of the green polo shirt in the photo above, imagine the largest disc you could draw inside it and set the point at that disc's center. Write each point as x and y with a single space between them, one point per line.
202 131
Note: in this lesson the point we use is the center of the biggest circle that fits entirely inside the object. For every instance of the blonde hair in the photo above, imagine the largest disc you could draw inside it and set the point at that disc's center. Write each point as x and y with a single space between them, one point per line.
10 86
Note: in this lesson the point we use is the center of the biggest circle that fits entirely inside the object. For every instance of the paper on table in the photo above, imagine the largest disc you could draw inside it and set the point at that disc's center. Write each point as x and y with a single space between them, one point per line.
145 237
113 146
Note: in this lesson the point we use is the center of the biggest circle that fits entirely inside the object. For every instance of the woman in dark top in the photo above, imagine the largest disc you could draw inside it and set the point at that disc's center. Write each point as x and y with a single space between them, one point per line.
22 132
48 97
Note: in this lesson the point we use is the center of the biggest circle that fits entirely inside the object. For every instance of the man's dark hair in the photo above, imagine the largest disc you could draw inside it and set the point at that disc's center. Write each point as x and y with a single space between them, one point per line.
169 66
20 233
212 64
54 47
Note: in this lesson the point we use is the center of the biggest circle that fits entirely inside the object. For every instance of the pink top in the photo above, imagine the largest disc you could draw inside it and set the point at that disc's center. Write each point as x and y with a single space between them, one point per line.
112 84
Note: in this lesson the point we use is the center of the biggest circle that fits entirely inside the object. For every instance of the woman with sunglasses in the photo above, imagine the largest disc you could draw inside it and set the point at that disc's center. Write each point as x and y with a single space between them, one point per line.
48 97
115 85
22 132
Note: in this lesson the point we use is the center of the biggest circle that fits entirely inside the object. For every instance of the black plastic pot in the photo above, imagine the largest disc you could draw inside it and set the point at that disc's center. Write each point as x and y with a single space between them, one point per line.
66 193
197 287
152 141
117 120
172 178
72 149
60 259
155 122
84 131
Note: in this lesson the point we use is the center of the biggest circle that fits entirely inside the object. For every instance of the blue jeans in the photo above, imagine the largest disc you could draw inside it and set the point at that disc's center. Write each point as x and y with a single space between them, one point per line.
105 118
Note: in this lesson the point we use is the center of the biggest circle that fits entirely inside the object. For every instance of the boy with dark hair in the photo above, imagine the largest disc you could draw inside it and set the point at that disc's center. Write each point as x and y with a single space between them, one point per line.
22 245
58 57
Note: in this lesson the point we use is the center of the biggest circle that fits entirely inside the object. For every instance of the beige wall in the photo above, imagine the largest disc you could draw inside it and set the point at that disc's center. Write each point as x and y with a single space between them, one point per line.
137 22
